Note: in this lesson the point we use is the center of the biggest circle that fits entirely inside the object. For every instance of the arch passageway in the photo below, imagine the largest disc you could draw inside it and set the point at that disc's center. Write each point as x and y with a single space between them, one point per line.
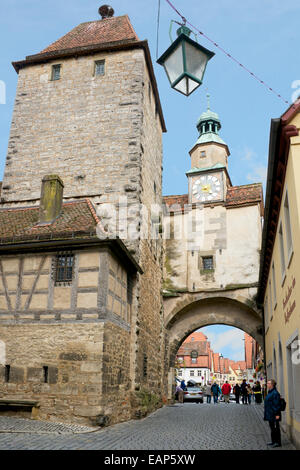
190 312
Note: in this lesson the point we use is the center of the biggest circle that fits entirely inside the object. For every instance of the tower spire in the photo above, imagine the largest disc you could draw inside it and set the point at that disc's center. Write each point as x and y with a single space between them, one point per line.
208 101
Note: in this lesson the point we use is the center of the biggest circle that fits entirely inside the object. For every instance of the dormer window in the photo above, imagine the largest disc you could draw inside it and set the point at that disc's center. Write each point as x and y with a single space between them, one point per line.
56 72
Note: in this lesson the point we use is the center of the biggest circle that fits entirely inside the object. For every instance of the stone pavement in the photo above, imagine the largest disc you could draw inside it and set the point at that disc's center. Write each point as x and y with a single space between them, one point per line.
188 426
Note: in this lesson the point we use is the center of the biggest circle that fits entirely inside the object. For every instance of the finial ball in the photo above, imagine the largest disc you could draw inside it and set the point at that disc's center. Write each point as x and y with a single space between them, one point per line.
106 11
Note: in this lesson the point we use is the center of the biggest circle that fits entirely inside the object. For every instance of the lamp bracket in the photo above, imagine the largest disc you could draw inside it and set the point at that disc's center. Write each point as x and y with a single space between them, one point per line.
180 24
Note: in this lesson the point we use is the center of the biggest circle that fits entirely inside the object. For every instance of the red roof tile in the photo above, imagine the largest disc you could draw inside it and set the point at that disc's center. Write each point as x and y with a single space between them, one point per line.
108 30
180 201
197 335
236 196
244 195
200 346
20 224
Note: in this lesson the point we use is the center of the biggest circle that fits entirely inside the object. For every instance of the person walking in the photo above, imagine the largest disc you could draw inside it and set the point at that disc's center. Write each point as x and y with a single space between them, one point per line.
257 393
244 392
215 391
237 392
226 389
179 392
207 392
272 413
249 393
183 385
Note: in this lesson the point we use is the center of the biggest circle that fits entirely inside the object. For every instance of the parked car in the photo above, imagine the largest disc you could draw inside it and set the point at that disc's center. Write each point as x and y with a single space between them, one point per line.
193 394
231 397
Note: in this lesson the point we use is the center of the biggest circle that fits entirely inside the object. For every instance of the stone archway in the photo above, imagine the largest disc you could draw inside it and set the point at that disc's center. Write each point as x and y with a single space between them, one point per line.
190 312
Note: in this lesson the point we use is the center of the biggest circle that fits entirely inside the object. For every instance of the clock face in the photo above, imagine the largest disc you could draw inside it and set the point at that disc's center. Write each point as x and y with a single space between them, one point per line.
207 188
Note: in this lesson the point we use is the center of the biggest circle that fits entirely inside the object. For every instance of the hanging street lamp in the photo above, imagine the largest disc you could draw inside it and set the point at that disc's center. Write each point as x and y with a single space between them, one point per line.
185 62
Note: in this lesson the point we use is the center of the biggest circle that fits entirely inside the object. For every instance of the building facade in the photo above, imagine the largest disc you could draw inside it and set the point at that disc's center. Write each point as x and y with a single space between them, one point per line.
194 359
279 271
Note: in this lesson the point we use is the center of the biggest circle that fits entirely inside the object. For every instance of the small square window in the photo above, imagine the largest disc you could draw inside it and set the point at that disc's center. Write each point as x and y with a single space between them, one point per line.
56 69
203 154
208 263
99 67
64 268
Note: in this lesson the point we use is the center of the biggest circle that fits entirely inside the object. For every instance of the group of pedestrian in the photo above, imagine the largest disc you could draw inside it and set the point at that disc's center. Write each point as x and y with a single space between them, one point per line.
272 401
246 392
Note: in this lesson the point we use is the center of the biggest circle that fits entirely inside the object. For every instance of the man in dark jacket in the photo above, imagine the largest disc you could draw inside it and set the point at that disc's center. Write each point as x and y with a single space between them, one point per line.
215 391
237 391
244 392
273 413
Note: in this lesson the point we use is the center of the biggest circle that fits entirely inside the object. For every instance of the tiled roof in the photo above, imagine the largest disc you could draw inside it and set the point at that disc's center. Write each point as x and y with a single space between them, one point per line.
200 346
236 196
201 361
108 30
247 194
235 365
197 335
21 224
180 200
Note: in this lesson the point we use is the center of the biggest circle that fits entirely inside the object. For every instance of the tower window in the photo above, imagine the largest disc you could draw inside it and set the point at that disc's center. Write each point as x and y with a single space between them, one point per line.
56 69
129 288
99 67
208 263
45 374
145 365
64 268
7 373
203 154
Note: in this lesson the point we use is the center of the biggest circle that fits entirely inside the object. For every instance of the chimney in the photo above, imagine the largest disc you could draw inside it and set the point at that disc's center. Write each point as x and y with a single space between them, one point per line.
51 199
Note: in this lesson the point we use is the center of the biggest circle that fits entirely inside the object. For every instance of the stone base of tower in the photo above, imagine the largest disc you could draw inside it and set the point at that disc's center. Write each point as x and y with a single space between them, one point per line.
77 373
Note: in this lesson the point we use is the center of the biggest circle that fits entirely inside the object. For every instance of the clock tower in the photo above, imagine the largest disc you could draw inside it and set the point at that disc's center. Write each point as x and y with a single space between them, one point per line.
208 177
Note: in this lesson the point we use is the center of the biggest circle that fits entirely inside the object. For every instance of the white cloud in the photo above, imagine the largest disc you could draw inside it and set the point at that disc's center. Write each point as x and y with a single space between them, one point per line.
230 342
259 174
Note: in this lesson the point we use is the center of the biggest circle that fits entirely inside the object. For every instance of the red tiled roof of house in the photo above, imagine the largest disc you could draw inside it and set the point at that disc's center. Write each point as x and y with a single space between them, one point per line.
235 365
244 195
236 196
108 30
200 346
197 335
216 362
201 361
21 224
179 200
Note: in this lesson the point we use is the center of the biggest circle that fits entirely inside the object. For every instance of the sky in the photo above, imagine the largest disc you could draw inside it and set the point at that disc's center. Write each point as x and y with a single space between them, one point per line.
261 34
226 340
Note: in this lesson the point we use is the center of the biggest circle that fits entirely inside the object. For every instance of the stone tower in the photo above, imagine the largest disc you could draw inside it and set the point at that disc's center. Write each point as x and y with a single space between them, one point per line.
88 123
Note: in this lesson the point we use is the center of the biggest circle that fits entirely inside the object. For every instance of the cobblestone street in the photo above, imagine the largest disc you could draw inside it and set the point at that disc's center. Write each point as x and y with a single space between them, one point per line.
189 426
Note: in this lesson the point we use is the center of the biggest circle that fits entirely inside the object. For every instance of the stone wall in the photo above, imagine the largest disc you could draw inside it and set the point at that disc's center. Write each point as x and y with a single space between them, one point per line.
87 126
231 236
73 354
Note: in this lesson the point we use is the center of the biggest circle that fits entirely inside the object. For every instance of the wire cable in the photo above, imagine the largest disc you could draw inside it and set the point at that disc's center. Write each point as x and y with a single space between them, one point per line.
185 21
157 32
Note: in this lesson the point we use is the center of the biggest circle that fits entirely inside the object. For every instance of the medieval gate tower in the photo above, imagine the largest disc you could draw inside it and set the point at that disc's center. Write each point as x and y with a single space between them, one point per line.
80 310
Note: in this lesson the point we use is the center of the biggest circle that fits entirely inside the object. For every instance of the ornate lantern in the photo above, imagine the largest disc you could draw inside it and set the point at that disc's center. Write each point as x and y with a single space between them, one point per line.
185 62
